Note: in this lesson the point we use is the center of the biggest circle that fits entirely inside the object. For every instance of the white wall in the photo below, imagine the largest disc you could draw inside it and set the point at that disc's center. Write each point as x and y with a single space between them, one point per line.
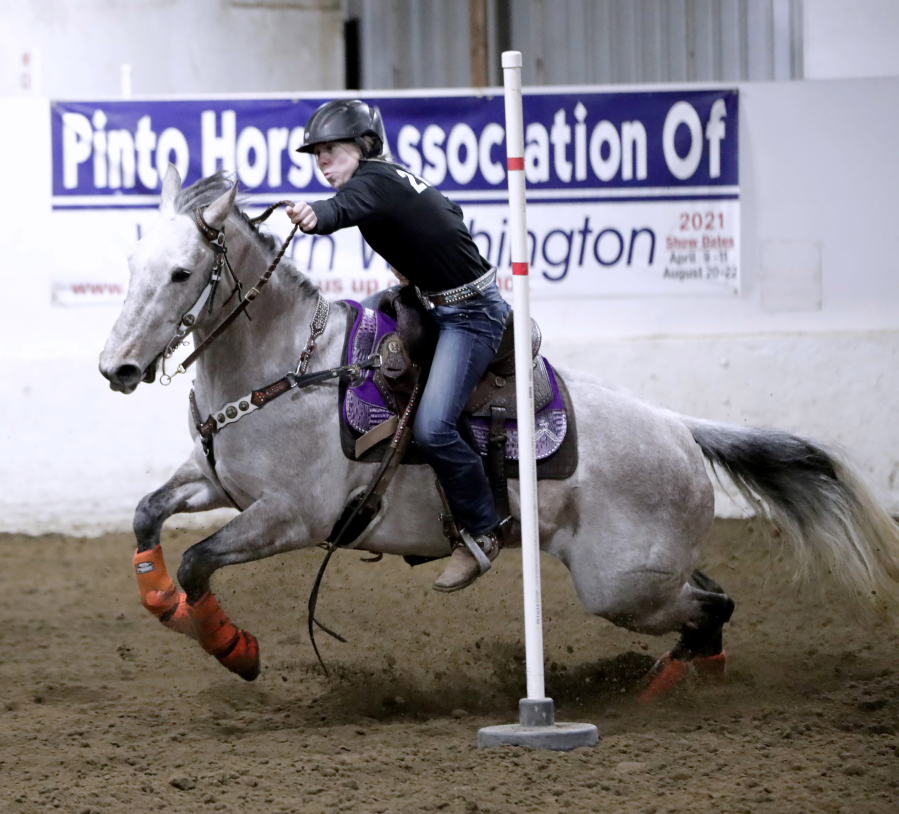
75 48
851 38
817 169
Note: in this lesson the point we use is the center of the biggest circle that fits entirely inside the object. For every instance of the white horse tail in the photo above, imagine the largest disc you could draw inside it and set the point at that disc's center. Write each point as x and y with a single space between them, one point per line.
821 507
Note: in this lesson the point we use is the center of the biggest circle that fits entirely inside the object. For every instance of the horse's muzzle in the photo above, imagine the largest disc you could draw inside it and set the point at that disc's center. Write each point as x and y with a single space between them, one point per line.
125 378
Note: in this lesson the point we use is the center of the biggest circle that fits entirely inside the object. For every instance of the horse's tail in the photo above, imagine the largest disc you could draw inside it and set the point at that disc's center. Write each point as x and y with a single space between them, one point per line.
821 507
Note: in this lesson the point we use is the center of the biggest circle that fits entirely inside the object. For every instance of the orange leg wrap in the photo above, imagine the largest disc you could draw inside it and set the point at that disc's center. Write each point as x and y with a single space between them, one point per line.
711 667
236 649
158 593
671 673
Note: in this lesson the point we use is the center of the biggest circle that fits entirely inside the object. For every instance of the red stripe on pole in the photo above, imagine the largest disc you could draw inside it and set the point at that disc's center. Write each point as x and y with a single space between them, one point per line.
515 163
520 269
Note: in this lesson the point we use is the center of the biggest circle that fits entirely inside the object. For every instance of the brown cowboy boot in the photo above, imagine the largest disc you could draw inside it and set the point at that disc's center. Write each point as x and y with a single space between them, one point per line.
470 559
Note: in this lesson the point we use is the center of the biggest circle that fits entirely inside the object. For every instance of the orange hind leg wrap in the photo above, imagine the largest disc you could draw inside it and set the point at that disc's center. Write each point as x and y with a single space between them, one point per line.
236 649
669 673
158 593
711 667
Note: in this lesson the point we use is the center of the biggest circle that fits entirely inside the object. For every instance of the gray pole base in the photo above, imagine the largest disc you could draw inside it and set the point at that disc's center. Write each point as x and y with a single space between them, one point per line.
537 729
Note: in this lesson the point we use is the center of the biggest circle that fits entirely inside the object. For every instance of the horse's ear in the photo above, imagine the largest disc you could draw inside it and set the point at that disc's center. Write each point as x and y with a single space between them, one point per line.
216 213
171 186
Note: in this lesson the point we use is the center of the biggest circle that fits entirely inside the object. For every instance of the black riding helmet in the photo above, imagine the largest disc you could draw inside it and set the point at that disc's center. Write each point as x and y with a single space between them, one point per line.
345 120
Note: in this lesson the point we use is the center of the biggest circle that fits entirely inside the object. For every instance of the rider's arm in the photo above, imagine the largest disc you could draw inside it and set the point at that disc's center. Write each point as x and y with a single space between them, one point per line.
357 202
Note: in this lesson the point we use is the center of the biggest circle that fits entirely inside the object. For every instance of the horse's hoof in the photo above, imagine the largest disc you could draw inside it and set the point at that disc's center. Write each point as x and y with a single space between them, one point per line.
665 676
244 656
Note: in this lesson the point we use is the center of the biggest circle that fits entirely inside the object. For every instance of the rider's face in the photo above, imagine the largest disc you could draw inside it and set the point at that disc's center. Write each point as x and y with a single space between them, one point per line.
337 160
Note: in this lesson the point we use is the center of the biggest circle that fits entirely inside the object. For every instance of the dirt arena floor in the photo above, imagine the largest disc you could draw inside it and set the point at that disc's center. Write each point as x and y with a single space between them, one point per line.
103 710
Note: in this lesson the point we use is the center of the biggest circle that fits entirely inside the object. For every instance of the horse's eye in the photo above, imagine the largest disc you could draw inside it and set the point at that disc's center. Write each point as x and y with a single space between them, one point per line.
180 275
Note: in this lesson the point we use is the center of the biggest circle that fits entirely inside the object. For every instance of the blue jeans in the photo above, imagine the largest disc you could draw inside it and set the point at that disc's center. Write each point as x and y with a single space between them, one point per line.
469 335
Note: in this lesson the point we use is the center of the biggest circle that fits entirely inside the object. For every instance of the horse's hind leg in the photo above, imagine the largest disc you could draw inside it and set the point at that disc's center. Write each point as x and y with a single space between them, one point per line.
701 645
704 638
188 490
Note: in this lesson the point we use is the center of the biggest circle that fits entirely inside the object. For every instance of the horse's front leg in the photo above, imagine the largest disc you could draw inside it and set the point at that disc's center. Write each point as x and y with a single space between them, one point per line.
188 490
264 529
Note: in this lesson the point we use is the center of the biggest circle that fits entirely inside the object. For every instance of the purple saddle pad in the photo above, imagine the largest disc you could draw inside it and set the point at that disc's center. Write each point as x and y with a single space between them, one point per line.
363 407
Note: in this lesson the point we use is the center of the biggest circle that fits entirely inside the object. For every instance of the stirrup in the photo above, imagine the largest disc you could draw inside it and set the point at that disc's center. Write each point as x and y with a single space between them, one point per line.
476 551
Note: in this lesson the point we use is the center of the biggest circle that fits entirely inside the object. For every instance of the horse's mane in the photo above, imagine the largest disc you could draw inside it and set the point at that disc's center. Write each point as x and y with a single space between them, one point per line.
206 190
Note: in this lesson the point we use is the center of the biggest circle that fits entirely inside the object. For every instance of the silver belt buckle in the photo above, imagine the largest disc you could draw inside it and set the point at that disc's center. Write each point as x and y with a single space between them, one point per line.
429 306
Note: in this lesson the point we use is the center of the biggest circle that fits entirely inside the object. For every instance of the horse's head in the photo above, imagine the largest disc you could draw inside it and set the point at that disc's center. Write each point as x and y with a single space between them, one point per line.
169 268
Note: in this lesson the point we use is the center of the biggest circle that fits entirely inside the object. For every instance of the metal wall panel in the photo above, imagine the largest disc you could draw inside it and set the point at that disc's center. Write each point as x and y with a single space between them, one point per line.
414 43
426 43
758 33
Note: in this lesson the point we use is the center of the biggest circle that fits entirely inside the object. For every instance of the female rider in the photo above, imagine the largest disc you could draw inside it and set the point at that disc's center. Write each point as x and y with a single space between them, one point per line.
422 235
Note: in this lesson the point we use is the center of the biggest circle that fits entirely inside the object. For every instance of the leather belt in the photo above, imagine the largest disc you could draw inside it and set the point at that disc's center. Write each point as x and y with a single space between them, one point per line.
430 299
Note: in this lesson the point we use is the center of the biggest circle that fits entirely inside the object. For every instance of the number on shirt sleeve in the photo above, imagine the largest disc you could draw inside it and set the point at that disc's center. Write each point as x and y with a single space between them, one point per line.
417 183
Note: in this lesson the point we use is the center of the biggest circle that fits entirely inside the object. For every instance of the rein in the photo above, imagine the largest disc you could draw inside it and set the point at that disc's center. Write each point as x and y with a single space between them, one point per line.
368 501
216 239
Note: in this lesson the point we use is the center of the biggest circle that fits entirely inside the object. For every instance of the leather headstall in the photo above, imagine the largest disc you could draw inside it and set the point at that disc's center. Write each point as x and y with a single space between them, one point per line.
216 237
216 240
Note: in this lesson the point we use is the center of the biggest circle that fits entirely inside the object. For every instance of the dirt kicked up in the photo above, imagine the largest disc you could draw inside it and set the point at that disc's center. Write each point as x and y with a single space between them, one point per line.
103 710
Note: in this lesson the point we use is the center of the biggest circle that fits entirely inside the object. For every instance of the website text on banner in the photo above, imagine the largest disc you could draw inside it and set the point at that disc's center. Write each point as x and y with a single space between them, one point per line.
629 193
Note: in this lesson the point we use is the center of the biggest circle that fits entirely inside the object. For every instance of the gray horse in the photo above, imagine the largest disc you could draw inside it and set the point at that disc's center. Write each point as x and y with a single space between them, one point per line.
629 523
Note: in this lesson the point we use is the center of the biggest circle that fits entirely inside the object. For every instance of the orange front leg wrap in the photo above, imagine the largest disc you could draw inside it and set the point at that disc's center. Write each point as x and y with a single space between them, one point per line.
158 593
236 649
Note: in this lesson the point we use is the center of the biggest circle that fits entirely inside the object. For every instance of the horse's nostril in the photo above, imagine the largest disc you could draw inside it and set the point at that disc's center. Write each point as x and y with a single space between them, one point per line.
128 374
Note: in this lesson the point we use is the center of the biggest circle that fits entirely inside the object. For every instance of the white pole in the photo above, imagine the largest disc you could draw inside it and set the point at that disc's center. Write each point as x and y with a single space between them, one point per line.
126 80
524 377
536 727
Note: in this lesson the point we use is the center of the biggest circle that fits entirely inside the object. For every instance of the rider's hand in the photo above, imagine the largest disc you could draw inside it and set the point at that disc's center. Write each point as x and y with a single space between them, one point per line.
304 215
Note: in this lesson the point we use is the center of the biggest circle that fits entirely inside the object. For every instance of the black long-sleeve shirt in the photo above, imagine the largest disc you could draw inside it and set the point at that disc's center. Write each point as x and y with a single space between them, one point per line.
406 221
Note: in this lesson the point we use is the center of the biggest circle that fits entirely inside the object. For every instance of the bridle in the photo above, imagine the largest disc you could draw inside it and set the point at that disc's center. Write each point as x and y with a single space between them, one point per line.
216 239
256 399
